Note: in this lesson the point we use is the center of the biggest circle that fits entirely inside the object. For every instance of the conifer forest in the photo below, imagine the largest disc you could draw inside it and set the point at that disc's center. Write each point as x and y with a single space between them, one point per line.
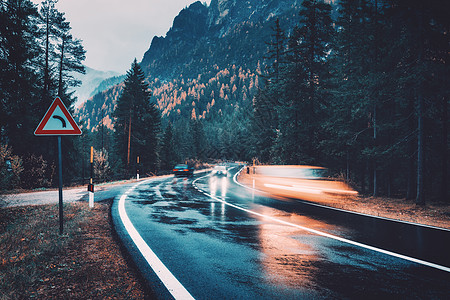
359 87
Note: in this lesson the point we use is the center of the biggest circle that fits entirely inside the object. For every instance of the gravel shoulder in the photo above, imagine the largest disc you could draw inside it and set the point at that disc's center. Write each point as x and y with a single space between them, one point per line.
70 194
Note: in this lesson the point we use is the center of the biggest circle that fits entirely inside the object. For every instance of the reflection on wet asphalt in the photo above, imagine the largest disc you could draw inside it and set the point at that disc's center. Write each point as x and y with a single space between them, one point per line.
217 251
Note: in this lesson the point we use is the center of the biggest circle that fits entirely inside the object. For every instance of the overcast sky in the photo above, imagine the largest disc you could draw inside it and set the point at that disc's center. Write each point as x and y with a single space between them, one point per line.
114 32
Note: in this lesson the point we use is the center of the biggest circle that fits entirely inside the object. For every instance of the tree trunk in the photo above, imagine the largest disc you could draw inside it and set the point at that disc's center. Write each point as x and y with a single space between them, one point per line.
444 182
420 199
60 81
389 184
47 54
363 178
410 179
375 194
129 144
410 194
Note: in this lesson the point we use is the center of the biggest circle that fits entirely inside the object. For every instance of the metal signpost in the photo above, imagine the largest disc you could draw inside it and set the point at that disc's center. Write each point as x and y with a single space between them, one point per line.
58 121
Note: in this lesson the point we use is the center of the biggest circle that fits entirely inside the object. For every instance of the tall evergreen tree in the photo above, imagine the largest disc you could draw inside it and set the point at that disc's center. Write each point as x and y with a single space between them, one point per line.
267 100
349 126
63 54
167 152
197 136
48 15
422 52
19 107
306 79
264 125
137 123
276 55
71 54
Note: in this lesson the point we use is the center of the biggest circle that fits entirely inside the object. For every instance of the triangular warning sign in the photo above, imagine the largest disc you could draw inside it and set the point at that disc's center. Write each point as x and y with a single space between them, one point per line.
57 121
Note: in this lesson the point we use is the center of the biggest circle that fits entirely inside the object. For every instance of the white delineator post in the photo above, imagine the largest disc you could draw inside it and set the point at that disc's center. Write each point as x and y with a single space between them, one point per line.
91 182
137 168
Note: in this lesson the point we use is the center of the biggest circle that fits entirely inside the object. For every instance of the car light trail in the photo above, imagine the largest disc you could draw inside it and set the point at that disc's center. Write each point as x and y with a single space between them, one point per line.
300 189
324 234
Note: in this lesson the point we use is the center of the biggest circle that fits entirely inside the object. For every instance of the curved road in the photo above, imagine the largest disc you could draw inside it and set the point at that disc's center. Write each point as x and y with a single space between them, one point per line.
208 237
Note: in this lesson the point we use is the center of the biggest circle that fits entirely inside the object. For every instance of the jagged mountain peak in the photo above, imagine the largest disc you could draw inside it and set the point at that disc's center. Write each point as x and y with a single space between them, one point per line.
224 33
190 22
225 13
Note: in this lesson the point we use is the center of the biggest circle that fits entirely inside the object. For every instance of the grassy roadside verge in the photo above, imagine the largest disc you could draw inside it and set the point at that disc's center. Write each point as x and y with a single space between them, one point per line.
84 263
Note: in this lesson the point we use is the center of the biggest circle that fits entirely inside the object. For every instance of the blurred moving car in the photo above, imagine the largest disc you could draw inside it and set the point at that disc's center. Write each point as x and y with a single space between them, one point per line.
183 170
310 183
219 171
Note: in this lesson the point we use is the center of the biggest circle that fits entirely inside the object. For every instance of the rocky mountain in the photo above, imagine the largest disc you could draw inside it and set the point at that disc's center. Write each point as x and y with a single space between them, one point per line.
209 62
228 32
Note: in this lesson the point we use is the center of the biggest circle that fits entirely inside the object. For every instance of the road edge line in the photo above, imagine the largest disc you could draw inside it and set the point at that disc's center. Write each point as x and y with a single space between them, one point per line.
175 288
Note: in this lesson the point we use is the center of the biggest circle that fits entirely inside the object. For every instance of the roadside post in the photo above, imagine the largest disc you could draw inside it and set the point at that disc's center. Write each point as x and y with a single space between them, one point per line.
57 121
91 181
253 173
137 169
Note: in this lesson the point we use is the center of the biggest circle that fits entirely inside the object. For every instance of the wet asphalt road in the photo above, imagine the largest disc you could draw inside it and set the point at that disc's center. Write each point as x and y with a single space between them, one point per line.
219 244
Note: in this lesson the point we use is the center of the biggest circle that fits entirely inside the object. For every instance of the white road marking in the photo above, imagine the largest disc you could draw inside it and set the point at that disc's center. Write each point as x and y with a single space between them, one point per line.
344 240
172 284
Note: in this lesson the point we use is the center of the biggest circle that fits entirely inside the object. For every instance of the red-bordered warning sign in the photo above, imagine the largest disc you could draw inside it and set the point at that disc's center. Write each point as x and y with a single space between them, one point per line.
57 121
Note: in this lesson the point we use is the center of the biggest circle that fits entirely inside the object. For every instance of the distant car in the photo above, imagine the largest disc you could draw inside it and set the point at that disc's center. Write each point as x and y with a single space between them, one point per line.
183 170
220 171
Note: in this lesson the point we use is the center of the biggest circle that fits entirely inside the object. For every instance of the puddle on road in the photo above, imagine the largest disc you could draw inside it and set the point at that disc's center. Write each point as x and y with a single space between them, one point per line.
144 202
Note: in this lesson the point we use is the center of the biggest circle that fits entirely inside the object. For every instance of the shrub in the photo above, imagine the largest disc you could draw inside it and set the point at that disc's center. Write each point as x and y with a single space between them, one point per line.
10 168
35 172
102 170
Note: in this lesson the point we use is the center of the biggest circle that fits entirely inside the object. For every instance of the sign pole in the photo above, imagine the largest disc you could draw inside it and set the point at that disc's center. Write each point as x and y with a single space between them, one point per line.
58 121
61 217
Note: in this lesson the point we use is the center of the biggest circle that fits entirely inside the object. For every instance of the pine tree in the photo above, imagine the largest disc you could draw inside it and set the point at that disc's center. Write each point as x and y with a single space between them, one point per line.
48 15
264 124
64 54
70 54
306 79
276 53
167 153
265 121
137 123
197 138
19 107
349 123
422 51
